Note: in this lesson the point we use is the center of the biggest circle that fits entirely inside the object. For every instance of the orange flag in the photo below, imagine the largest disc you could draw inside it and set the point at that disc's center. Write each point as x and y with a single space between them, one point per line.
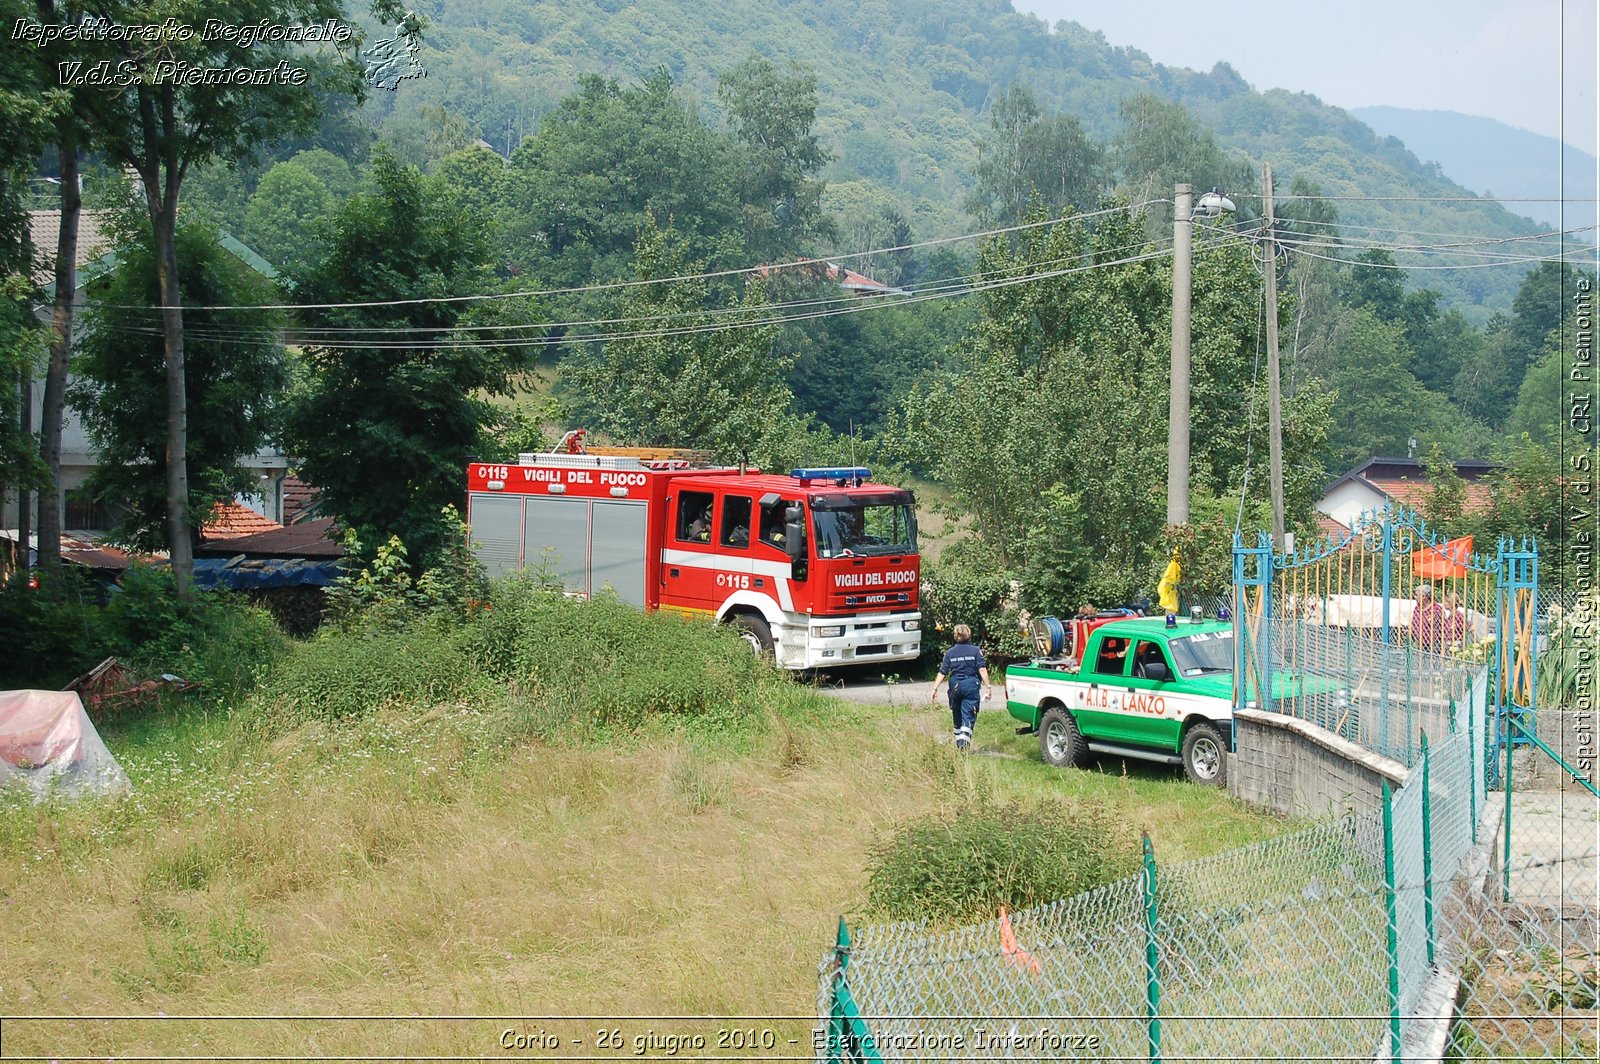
1445 560
1008 945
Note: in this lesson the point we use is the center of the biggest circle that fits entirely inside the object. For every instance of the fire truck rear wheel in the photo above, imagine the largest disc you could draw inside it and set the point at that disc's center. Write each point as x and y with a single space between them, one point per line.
754 631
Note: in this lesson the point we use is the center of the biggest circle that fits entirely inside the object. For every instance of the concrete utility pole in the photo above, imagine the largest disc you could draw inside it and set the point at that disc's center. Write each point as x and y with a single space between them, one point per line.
1274 389
1178 404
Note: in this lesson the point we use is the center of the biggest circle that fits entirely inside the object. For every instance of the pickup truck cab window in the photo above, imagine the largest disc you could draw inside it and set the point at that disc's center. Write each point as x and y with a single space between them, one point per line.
1112 659
1150 662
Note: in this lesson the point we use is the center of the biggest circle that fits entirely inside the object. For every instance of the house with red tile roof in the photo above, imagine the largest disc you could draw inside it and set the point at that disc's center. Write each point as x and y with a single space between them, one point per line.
231 520
1399 482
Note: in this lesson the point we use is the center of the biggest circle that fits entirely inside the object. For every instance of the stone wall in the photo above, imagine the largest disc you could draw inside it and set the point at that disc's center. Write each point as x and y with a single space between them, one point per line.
1299 769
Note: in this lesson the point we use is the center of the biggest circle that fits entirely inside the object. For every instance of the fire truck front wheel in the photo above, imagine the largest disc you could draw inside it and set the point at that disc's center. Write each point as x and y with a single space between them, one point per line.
754 631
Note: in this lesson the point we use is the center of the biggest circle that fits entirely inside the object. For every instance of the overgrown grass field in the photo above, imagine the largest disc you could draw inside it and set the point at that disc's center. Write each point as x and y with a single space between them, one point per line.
552 809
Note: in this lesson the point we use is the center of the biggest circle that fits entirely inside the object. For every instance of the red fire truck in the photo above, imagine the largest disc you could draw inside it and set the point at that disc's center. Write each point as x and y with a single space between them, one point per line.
818 568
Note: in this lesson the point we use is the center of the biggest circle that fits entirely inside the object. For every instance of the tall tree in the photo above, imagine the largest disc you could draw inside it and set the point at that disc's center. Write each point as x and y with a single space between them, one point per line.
773 112
72 128
288 215
389 410
1162 144
31 113
1025 154
166 123
578 192
684 382
234 376
1049 432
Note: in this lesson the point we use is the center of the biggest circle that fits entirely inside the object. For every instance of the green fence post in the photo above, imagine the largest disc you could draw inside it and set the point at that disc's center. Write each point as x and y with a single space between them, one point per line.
1505 863
1392 933
850 1040
1473 771
1152 955
1427 849
836 1020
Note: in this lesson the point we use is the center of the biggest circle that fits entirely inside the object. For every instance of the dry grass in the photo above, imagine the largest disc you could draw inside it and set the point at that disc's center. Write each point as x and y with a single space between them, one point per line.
375 871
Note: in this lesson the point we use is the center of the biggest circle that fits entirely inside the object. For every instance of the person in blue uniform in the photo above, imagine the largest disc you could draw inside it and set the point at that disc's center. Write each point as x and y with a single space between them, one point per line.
964 669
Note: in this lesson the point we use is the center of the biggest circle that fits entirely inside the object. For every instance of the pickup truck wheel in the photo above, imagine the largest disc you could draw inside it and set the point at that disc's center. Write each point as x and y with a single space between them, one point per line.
1060 742
754 631
1205 755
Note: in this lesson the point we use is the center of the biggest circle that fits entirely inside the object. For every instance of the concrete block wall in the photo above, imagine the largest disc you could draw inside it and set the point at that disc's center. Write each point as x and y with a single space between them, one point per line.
1571 733
1299 769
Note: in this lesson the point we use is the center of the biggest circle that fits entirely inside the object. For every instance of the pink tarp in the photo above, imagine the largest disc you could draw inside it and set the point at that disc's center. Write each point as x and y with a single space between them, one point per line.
49 746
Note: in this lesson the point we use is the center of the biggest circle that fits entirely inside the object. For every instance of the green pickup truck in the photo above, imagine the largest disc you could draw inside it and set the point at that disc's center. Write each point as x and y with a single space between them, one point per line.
1137 688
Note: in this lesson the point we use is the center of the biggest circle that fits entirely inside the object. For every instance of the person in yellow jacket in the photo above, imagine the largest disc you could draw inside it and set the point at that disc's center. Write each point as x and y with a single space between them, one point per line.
1167 590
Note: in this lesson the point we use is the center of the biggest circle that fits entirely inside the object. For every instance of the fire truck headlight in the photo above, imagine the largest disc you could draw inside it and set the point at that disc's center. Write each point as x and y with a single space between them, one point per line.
830 631
912 626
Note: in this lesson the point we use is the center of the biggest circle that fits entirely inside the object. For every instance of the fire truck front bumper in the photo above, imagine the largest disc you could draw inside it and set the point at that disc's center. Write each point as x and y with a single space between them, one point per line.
853 640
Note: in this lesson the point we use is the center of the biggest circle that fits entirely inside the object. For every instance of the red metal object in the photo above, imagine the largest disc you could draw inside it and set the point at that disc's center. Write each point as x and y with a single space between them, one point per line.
112 686
712 572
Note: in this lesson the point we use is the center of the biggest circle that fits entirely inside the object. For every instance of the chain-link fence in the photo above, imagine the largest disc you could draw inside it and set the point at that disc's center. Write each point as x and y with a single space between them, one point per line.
1551 833
1383 936
1381 695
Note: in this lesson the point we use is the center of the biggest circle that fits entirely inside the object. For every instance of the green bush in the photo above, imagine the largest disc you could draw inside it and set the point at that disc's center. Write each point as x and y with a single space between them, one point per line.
50 638
218 640
143 619
350 672
964 862
610 662
228 646
1567 658
968 587
551 659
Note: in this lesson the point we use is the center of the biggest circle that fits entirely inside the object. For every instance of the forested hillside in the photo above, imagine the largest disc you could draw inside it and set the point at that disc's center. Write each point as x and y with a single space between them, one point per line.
904 91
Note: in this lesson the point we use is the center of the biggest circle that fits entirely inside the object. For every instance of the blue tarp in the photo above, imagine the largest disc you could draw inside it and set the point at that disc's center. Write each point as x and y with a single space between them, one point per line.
241 573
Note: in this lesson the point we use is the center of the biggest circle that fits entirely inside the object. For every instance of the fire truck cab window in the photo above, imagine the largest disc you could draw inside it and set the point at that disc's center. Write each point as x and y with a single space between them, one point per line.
846 531
1113 655
774 518
694 517
735 521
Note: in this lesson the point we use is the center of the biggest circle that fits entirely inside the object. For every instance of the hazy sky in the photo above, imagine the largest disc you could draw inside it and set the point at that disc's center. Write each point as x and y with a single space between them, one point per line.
1501 59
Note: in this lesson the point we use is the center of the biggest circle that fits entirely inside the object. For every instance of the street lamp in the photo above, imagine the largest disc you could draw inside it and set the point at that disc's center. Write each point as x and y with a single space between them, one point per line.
1212 205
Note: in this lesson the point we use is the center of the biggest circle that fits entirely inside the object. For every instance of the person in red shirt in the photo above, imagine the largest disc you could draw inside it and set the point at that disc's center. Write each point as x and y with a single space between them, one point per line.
1427 621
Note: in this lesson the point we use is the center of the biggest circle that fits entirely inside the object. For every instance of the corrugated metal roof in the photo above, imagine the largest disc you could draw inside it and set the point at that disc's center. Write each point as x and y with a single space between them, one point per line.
309 539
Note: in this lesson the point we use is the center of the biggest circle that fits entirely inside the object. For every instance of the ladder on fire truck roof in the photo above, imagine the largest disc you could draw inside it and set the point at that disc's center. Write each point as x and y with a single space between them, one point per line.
574 443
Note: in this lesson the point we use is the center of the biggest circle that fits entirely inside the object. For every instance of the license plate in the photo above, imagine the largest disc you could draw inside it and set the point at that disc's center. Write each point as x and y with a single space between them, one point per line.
874 640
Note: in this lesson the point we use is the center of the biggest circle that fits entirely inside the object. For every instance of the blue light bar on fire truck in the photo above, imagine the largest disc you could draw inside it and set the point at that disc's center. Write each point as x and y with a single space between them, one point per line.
839 476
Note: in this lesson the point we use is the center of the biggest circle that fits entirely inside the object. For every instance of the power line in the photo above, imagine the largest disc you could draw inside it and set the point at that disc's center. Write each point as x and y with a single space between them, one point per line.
1424 199
856 306
1547 235
612 285
1299 248
737 309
